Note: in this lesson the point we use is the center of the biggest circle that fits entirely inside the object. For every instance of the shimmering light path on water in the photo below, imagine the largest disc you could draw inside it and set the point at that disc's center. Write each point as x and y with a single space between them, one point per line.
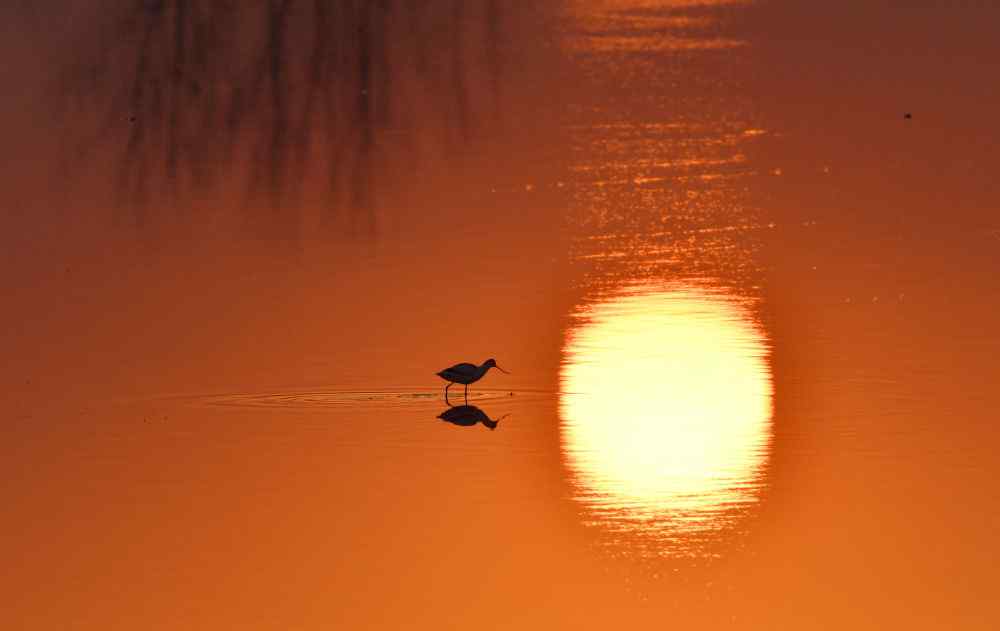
666 411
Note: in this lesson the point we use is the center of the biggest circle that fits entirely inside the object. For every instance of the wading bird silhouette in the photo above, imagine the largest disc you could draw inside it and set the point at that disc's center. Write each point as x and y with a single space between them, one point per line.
469 415
466 374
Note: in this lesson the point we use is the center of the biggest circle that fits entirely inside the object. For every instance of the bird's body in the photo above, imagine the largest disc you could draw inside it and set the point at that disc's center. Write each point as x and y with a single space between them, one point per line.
465 374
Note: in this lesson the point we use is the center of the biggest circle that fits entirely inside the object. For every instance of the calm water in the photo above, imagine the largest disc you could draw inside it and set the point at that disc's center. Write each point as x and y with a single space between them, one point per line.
748 308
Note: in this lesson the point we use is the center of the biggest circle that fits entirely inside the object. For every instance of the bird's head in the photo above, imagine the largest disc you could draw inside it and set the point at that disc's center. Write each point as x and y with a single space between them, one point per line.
492 363
493 422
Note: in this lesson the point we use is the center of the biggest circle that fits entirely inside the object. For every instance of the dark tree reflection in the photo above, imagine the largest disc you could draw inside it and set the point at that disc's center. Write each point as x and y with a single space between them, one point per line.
188 92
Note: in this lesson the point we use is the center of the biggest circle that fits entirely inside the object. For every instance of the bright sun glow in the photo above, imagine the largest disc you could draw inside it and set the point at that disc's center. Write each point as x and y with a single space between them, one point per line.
666 404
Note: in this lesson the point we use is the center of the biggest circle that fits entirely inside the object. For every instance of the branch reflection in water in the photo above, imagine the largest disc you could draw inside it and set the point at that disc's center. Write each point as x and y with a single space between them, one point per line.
666 407
188 97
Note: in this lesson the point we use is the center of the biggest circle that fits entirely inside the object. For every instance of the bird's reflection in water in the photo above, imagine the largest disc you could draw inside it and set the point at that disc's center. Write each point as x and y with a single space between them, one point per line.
467 416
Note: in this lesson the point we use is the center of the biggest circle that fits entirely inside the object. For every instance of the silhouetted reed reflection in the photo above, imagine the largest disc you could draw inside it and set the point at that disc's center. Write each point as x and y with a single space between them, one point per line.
185 95
469 415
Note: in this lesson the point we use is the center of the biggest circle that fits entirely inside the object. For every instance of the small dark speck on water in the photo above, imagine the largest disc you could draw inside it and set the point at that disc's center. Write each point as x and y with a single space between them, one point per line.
907 116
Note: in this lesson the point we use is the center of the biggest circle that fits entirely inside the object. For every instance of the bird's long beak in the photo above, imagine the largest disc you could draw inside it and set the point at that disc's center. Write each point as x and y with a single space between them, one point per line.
501 369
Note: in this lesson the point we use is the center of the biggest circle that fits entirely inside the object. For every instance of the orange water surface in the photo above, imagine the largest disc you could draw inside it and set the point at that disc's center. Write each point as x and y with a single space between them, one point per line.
750 315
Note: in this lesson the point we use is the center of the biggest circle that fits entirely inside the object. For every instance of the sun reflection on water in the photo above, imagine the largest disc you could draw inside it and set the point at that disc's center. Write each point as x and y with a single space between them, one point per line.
666 406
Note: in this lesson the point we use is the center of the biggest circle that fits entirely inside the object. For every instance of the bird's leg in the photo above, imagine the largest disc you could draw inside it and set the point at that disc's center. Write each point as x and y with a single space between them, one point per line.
467 394
446 393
